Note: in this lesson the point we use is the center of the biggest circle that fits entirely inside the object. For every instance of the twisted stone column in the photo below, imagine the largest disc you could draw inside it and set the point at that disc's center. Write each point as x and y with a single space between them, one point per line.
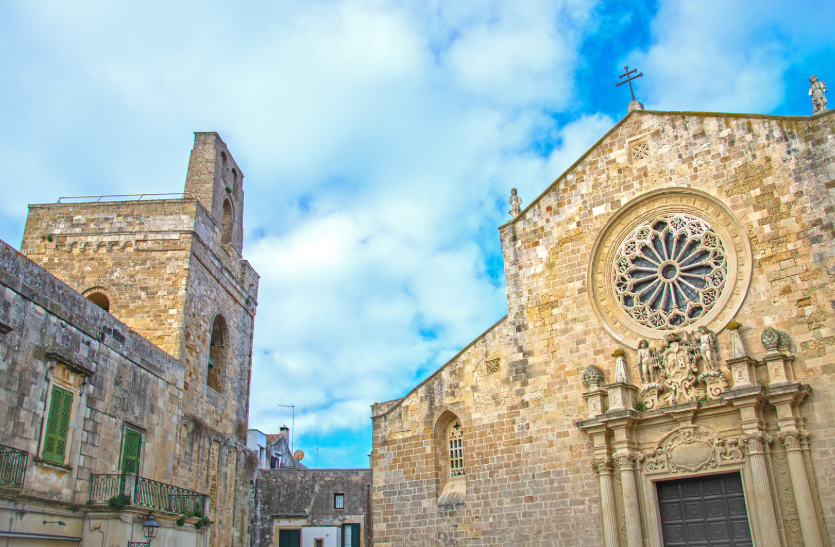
763 502
604 470
632 509
809 526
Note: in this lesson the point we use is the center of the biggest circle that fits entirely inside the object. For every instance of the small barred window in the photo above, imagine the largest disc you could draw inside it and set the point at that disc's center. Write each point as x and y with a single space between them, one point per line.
456 450
339 501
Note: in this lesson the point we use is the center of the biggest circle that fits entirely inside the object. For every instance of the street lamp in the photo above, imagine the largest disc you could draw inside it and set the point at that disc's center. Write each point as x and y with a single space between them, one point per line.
150 529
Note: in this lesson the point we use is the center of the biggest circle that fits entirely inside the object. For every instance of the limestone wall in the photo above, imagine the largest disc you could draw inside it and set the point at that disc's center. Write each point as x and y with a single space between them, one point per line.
119 379
305 496
529 477
135 252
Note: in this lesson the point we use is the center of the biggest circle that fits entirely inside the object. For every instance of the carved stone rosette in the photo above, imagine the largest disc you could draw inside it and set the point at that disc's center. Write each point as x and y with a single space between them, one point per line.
673 258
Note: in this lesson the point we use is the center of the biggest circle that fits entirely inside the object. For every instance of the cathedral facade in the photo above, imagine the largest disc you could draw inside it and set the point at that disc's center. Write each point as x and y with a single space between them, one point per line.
664 375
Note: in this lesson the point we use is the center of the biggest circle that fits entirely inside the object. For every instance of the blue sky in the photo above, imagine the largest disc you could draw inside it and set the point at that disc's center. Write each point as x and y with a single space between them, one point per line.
379 141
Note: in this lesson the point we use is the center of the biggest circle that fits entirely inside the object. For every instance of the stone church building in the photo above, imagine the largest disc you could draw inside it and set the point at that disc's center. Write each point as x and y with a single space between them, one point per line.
665 372
125 352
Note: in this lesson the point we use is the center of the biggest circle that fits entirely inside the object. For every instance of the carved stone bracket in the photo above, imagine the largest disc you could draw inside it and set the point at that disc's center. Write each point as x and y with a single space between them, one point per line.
716 383
649 395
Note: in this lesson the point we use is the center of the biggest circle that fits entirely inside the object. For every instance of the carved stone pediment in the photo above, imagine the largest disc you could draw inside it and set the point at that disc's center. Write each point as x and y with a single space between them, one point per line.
690 449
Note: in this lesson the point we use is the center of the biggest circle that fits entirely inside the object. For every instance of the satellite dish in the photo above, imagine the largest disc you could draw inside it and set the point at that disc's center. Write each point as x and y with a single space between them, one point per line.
299 455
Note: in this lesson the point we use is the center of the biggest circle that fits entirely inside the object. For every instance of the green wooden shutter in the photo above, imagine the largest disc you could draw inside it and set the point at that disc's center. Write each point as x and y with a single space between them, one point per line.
57 425
351 535
130 451
289 538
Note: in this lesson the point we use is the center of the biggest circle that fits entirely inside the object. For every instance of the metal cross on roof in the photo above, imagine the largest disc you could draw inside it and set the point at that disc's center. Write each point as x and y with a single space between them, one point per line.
629 79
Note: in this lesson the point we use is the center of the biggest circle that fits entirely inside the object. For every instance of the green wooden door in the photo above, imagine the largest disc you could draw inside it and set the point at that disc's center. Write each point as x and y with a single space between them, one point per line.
57 425
130 451
289 538
350 535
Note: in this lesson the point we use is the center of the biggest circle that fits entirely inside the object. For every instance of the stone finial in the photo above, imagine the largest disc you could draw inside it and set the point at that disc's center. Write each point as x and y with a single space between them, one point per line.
774 339
817 88
621 375
635 105
592 378
738 350
515 203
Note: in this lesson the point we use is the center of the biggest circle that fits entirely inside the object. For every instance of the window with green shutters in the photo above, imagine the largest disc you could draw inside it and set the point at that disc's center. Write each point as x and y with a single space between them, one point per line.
57 425
130 451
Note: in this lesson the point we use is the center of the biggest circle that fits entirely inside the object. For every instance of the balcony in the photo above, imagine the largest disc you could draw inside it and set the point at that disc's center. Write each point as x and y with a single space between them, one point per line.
12 467
141 492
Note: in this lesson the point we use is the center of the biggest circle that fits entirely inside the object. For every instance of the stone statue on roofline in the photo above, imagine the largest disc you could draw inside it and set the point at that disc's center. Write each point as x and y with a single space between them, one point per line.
515 203
817 88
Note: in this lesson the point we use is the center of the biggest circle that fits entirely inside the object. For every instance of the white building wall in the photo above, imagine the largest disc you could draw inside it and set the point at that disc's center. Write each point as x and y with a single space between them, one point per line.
330 534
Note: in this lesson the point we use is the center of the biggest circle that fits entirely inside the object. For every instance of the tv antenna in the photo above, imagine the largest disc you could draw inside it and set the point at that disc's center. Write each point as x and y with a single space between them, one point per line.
293 425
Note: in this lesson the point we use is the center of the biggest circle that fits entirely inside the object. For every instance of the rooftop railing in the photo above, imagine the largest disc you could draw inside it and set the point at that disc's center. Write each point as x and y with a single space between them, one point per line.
12 466
122 197
146 493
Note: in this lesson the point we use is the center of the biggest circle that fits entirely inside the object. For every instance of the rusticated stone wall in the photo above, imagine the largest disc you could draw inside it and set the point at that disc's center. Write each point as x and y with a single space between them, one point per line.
529 474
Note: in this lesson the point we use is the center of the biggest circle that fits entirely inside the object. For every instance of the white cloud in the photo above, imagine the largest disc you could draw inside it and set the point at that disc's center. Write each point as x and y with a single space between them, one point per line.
729 56
379 142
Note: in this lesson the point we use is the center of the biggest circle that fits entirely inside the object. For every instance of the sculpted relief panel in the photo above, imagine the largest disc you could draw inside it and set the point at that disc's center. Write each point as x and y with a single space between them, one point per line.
691 449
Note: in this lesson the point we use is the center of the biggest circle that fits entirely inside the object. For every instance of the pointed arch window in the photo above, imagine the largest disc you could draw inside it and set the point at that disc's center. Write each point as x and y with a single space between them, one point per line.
217 354
228 222
455 436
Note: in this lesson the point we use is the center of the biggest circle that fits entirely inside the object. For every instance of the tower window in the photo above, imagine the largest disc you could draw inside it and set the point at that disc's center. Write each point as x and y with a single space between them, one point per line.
228 222
217 355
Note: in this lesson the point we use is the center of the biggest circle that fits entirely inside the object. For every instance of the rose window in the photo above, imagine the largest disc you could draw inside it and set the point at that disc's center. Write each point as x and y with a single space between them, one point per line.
670 272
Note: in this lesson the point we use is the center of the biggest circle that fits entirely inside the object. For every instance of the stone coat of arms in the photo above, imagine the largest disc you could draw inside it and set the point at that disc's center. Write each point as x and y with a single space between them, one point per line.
672 373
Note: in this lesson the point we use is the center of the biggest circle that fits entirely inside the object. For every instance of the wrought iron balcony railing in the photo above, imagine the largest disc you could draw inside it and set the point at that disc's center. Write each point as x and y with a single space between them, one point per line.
146 493
12 466
106 487
164 497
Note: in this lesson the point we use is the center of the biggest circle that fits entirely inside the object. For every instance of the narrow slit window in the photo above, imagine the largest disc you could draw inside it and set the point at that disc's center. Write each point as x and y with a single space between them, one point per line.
456 450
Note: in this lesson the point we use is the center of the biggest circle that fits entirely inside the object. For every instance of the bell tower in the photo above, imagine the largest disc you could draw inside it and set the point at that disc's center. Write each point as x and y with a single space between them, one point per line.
216 181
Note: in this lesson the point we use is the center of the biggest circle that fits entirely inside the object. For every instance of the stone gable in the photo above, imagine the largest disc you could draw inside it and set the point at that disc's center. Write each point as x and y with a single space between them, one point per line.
529 473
